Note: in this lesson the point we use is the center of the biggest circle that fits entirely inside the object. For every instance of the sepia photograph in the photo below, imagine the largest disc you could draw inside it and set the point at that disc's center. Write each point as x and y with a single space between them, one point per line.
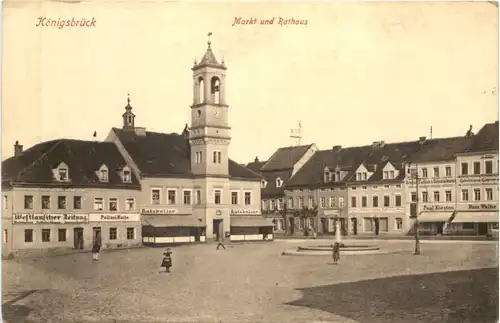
220 162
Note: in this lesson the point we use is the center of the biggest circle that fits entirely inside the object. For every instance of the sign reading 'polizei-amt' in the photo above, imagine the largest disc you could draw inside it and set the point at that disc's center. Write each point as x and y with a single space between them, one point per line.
50 218
114 217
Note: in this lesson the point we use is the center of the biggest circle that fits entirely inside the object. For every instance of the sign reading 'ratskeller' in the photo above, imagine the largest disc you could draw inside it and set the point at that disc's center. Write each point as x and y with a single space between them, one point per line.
245 212
145 210
50 218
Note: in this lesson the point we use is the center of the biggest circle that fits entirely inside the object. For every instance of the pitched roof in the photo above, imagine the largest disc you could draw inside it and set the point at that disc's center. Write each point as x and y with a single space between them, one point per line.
441 149
256 165
271 190
162 154
486 139
285 158
83 158
209 60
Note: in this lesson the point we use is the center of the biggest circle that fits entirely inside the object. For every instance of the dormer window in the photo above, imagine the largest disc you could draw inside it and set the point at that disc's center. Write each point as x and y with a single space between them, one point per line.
60 172
63 174
126 175
328 175
337 176
263 184
103 174
279 182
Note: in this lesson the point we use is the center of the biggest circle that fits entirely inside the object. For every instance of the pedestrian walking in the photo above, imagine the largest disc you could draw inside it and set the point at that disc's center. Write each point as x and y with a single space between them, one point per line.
167 260
221 242
336 252
96 248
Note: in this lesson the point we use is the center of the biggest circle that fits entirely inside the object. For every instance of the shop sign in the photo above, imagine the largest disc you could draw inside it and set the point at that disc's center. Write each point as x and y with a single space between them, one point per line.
377 210
146 210
432 182
245 212
114 217
481 207
50 218
437 208
478 179
331 212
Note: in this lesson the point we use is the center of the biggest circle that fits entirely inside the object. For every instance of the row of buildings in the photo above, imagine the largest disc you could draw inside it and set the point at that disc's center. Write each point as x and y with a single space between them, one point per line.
136 187
370 189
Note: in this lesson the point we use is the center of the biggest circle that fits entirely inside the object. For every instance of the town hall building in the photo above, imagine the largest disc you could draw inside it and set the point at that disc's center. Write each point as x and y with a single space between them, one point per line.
191 190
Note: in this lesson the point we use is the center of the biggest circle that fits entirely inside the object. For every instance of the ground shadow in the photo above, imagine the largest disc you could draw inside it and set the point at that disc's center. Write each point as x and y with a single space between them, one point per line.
17 313
459 296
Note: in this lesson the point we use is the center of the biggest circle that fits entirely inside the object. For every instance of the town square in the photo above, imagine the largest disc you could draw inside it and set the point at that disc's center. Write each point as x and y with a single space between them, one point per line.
451 281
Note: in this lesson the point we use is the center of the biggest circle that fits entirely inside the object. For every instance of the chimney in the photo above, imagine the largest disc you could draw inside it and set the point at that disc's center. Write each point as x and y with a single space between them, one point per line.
256 159
336 148
18 149
422 139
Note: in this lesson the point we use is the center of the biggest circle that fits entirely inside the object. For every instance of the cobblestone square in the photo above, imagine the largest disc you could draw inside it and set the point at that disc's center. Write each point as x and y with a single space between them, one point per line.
255 283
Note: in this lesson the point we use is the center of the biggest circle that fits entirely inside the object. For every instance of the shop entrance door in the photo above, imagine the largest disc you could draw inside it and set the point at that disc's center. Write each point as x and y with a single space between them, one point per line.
78 238
217 230
354 226
482 229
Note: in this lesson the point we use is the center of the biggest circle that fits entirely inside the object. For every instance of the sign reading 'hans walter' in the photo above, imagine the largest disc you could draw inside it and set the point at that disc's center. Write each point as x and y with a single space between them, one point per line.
50 218
114 217
245 212
482 207
146 210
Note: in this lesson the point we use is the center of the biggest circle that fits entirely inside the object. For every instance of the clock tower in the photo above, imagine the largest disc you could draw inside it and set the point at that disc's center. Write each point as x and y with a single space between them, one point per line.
209 132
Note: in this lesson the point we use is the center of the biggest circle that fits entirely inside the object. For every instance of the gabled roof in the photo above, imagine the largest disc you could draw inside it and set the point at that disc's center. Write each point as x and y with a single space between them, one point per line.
285 158
83 158
486 139
162 154
271 190
442 149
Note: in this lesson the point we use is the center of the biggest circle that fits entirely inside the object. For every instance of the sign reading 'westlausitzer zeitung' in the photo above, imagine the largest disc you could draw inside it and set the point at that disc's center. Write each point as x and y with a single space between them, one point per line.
50 218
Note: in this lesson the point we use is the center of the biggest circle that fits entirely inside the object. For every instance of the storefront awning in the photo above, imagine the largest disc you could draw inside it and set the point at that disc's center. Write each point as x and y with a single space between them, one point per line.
434 216
476 217
250 221
172 221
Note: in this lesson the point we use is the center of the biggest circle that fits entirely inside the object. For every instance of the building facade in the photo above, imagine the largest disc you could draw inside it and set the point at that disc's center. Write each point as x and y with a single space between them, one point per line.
191 190
64 194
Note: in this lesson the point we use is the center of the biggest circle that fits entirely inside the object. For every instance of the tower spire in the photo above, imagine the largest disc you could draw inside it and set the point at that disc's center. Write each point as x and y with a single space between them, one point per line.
209 42
128 116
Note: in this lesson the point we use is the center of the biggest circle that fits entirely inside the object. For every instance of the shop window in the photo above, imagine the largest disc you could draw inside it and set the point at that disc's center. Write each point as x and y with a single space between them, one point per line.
61 235
367 225
468 226
45 235
383 224
130 234
113 233
28 235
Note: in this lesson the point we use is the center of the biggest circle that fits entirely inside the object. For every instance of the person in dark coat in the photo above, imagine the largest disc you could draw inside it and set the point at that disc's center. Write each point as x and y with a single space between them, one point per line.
96 248
167 260
336 252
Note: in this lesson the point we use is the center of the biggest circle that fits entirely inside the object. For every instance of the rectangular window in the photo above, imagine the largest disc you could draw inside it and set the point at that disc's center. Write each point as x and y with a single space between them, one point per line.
465 195
187 197
155 196
436 171
436 196
77 202
387 201
130 234
5 236
367 225
198 196
5 200
448 196
129 204
425 197
477 194
488 167
61 202
386 186
364 176
353 201
45 235
310 202
104 175
290 203
448 171
98 204
331 202
341 202
301 202
45 202
28 202
383 224
424 172
234 198
386 174
171 198
264 204
217 197
113 204
219 159
280 204
413 196
375 201
399 224
465 169
272 205
322 202
127 176
113 233
63 174
214 157
468 226
61 235
489 194
364 201
397 200
391 174
477 168
28 235
248 198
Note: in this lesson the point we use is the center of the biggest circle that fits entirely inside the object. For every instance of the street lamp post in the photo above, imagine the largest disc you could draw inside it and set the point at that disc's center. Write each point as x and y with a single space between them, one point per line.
417 234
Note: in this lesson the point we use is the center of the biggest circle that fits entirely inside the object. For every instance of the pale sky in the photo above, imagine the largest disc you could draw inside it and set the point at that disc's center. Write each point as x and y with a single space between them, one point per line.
356 73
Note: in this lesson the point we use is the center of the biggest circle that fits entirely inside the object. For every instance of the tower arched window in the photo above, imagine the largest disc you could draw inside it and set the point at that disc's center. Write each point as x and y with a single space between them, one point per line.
201 90
215 89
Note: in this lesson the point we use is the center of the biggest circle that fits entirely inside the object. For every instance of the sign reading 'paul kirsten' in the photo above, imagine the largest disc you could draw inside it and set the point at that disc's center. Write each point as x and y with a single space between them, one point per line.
50 218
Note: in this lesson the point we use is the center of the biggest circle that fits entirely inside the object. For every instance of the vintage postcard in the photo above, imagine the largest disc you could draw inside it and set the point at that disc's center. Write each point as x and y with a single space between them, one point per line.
176 161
